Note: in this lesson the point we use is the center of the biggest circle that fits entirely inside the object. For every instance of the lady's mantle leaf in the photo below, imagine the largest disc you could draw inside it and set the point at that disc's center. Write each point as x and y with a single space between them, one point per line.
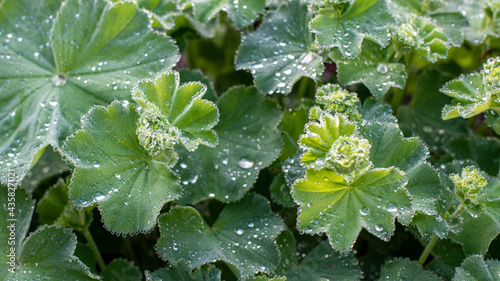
328 203
319 264
181 271
248 142
405 269
367 196
347 31
49 251
121 270
242 12
278 53
448 19
243 235
475 268
474 93
423 37
59 60
371 68
114 170
56 208
180 106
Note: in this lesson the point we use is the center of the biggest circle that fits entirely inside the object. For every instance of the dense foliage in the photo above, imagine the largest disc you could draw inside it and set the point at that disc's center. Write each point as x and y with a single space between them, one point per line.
249 139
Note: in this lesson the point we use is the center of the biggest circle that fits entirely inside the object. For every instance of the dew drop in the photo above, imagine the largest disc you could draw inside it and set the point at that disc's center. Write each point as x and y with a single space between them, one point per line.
364 211
239 231
391 207
382 68
379 228
245 163
99 196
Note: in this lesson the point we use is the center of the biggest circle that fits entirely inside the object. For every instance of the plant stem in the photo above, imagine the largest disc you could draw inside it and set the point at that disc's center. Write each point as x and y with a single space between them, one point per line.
92 244
428 249
435 238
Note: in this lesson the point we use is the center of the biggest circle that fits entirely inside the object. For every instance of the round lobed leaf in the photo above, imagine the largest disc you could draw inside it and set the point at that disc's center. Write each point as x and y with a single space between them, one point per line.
115 171
59 60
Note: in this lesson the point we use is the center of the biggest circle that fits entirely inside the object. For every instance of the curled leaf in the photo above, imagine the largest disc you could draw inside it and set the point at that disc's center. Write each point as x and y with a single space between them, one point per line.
173 113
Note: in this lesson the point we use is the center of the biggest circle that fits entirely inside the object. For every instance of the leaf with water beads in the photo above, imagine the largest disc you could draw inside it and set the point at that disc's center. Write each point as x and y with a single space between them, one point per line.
405 269
248 142
483 18
474 93
164 12
55 208
51 76
177 106
391 149
321 263
421 117
483 150
328 203
422 36
240 236
371 68
242 12
441 13
279 52
182 271
477 268
347 31
121 270
48 252
115 171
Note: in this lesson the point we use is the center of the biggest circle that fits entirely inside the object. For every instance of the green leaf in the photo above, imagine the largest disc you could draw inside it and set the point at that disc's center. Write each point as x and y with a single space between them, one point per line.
422 116
321 263
50 164
180 106
391 149
469 97
422 36
370 198
472 240
115 171
291 127
187 75
375 111
330 204
55 208
165 11
483 23
248 142
357 7
265 278
346 32
52 75
405 269
474 93
121 270
451 22
447 256
477 268
483 150
181 271
49 251
280 191
279 53
243 12
371 68
320 137
241 236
